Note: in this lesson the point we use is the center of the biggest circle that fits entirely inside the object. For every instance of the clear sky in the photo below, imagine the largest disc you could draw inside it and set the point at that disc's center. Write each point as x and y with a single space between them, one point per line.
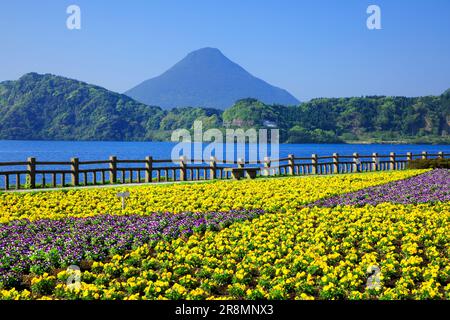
312 48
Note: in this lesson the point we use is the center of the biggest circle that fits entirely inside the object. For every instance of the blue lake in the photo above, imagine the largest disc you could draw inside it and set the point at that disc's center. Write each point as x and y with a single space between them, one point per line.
99 150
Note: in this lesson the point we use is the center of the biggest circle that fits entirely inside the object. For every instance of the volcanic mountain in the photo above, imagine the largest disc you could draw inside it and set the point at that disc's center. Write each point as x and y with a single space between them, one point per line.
206 78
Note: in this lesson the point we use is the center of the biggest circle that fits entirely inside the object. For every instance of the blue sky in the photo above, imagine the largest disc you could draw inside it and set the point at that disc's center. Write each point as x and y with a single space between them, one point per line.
313 48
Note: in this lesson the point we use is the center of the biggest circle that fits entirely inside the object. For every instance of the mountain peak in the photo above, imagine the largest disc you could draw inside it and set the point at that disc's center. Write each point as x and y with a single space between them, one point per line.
207 51
205 60
207 78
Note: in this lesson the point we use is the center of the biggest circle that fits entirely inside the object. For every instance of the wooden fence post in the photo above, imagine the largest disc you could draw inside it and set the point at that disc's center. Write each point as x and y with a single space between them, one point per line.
6 182
75 167
440 155
356 162
335 163
267 163
314 162
409 156
113 169
31 167
392 161
148 169
424 155
375 161
183 176
213 167
291 164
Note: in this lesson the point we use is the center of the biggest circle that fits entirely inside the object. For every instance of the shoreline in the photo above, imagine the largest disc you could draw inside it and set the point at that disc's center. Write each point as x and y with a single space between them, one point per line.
347 142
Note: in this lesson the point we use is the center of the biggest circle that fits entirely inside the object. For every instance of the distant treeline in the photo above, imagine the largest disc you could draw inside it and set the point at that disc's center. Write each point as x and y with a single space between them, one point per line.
50 107
369 119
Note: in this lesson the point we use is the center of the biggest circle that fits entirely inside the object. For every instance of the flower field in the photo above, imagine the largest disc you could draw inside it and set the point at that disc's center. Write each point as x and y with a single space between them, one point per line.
255 239
429 187
44 245
267 194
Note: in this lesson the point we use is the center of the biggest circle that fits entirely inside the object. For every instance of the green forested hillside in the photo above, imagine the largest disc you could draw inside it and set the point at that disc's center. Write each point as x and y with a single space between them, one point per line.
371 119
52 107
56 108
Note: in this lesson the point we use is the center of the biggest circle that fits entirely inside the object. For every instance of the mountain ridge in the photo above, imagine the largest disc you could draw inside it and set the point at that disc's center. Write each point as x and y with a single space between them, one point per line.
50 107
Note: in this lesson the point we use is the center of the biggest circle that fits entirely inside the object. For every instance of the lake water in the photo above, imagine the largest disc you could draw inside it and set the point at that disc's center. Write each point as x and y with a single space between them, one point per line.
101 150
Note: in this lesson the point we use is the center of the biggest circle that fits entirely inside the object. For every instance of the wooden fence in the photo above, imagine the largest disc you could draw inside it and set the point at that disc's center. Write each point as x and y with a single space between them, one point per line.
37 174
